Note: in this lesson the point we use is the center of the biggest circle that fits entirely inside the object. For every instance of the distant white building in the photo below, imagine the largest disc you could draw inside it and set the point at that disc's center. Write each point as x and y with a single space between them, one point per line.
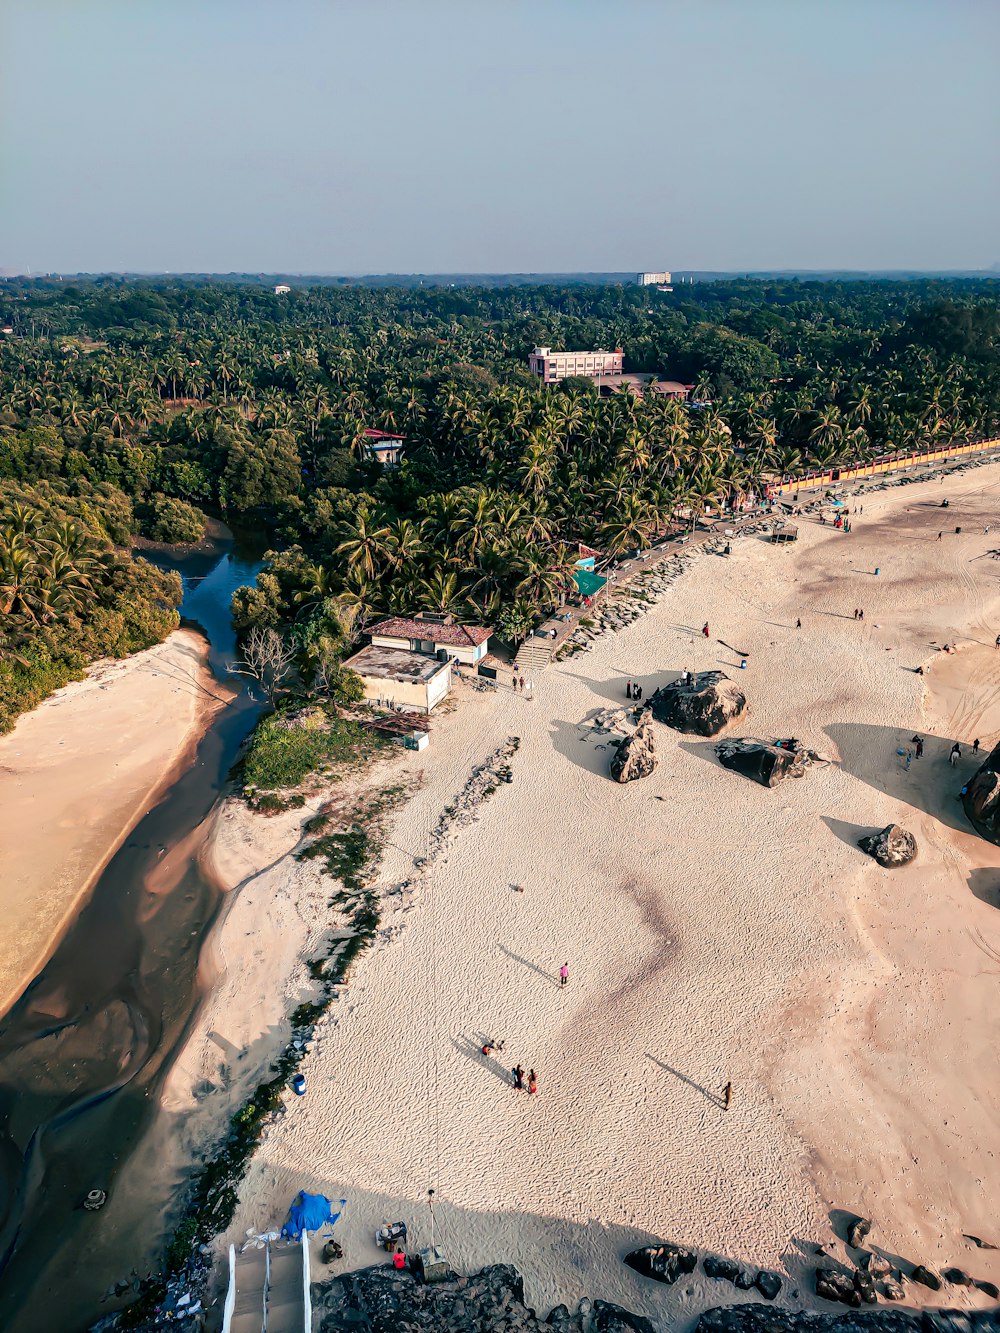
282 289
653 279
551 367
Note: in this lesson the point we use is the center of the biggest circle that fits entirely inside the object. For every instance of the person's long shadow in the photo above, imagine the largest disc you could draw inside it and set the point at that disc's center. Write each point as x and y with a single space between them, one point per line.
550 977
713 1097
465 1046
868 753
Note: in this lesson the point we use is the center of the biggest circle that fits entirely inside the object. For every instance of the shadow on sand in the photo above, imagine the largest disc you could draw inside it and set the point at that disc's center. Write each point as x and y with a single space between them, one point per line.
716 1098
868 753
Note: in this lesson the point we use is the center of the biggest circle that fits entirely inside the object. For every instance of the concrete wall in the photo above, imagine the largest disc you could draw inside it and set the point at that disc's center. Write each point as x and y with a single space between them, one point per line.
422 695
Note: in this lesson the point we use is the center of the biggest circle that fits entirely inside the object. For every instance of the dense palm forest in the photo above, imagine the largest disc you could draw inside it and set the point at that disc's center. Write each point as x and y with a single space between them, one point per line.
134 407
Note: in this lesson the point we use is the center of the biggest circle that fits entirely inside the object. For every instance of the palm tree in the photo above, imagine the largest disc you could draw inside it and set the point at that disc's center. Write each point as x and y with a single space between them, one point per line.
365 542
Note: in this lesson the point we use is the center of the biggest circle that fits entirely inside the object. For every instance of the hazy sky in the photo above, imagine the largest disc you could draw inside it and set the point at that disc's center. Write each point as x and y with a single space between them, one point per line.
352 136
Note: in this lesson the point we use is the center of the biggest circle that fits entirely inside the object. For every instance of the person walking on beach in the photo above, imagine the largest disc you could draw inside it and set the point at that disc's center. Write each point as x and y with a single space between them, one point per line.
956 754
628 689
564 974
919 746
727 1096
855 613
704 629
521 684
997 644
940 535
975 746
513 684
861 615
532 1081
798 622
517 1074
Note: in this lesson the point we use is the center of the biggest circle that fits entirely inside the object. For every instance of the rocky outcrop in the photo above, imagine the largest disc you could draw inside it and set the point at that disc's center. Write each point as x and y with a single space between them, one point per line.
857 1232
981 797
765 762
758 1318
380 1300
635 755
926 1277
701 705
893 846
664 1263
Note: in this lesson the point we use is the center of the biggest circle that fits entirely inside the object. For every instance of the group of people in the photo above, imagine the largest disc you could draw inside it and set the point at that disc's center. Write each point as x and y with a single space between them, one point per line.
633 690
954 755
517 683
859 614
517 1078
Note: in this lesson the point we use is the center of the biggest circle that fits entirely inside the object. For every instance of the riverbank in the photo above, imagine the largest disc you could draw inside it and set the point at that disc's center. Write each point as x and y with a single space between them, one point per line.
715 931
75 776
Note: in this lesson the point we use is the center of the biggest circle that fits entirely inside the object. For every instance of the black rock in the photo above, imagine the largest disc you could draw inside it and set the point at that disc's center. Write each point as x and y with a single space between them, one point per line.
989 1289
610 1318
981 797
743 1281
956 1277
857 1232
702 706
864 1285
893 846
926 1277
834 1285
768 1284
727 1269
664 1263
762 761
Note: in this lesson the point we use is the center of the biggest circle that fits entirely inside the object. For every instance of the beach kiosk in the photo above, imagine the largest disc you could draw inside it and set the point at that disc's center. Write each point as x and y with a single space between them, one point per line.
788 532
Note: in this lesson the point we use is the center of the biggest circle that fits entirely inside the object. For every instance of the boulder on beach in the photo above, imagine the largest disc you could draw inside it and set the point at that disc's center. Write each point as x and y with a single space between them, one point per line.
635 756
981 797
857 1232
893 846
765 762
664 1263
700 703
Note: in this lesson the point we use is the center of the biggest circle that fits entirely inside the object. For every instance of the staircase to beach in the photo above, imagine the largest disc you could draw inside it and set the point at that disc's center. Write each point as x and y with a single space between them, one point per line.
533 657
269 1292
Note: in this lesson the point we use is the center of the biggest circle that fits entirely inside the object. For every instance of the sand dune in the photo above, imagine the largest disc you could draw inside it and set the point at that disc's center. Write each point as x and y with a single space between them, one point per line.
75 775
722 932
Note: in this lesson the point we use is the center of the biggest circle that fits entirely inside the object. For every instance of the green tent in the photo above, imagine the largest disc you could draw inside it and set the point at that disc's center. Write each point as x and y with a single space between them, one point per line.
588 584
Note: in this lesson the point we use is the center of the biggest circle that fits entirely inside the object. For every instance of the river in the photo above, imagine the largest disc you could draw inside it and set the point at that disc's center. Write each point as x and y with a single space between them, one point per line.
78 1094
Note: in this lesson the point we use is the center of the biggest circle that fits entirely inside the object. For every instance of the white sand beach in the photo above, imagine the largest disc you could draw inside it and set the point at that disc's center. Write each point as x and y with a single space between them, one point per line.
714 930
75 776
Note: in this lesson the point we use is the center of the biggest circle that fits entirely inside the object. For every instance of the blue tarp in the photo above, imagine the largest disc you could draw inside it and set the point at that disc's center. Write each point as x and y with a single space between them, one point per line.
309 1212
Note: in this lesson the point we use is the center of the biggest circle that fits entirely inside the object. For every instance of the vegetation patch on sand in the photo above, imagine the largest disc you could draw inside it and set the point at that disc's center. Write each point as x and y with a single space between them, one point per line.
296 744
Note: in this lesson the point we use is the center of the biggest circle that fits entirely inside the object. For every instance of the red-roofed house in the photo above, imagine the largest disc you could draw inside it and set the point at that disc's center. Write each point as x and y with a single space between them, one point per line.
468 643
383 447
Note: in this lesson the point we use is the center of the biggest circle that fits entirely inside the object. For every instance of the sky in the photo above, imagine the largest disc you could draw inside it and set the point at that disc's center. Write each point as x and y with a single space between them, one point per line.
377 136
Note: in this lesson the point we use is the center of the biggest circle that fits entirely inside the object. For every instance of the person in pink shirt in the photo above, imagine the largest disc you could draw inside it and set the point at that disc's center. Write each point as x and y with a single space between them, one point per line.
564 974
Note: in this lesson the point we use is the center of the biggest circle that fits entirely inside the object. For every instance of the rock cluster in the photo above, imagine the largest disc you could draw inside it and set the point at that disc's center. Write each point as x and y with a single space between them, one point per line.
893 846
765 762
981 797
666 1263
380 1300
701 703
757 1318
635 756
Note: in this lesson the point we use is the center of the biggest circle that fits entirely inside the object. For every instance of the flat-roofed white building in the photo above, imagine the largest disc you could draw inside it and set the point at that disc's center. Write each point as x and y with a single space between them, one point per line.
653 279
551 367
397 677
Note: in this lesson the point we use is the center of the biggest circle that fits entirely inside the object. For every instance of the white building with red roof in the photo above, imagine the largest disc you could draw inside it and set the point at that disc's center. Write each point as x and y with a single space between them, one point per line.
435 638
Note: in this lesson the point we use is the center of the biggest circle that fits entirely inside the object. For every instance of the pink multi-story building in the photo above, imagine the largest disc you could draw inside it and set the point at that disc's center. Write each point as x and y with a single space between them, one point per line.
554 366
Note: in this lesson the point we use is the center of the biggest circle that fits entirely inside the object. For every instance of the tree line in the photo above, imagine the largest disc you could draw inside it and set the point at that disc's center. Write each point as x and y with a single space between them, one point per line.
175 398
